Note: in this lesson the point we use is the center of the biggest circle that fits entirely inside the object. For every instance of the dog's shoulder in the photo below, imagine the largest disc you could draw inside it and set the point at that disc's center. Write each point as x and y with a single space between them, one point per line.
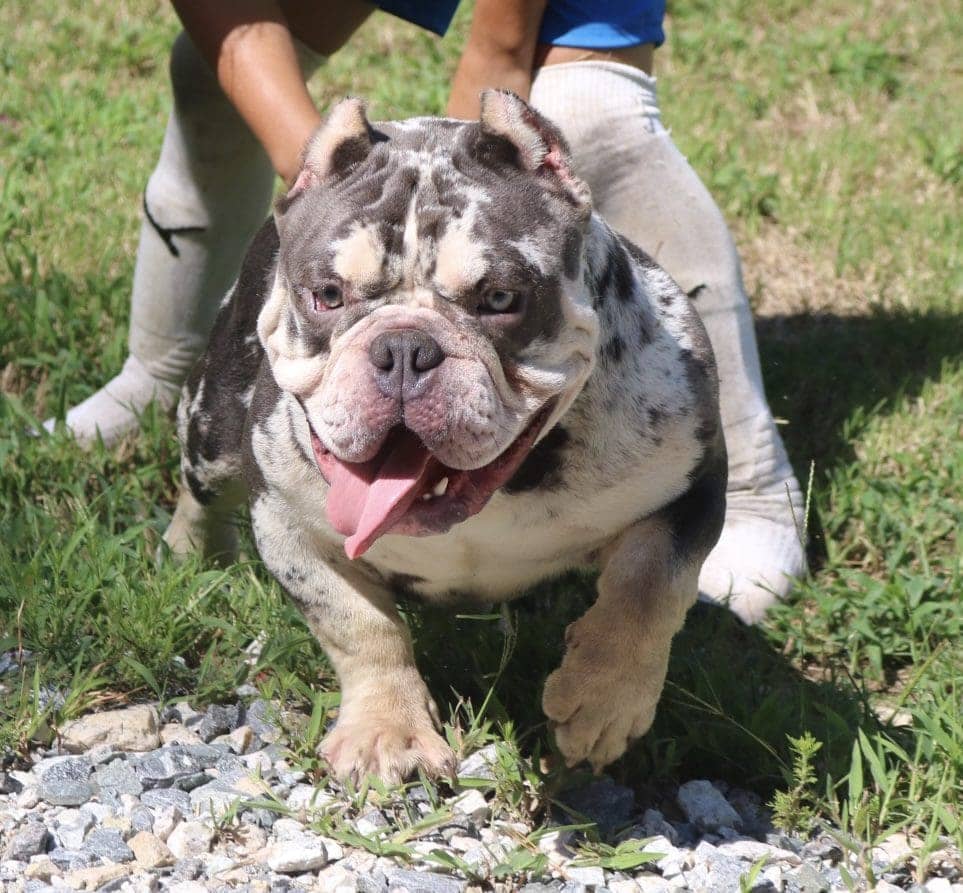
648 416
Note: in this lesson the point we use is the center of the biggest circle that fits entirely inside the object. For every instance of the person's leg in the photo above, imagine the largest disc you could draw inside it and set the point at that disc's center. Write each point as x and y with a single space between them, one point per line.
206 198
208 194
646 190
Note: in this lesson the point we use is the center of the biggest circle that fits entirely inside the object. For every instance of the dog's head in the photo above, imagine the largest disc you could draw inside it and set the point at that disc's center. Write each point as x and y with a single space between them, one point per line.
429 311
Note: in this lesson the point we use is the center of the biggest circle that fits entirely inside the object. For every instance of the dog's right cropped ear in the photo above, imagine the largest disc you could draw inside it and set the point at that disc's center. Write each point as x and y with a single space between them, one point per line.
539 145
344 138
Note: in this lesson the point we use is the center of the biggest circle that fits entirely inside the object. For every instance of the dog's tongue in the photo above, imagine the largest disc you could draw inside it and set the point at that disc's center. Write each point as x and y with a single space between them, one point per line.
367 498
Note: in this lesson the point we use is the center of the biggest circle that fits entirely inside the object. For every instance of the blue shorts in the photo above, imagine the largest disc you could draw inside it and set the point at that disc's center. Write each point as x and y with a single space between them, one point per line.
593 24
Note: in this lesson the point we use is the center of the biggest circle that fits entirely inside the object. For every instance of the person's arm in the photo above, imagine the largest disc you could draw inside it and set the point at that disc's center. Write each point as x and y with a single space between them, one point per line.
248 44
500 52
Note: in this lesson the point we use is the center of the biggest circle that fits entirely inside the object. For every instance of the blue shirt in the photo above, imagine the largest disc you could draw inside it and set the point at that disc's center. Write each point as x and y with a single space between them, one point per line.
593 24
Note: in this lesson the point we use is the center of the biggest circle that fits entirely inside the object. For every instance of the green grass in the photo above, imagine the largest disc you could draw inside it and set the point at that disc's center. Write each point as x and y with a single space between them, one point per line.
832 139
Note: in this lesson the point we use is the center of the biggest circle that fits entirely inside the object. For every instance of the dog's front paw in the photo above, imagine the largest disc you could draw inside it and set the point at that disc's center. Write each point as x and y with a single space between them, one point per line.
600 699
387 748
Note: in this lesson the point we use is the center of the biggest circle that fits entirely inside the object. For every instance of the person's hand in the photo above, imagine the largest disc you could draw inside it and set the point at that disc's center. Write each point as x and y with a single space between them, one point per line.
500 52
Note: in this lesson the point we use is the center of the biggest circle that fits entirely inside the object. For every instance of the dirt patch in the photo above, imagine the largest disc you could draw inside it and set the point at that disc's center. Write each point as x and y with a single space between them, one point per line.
784 277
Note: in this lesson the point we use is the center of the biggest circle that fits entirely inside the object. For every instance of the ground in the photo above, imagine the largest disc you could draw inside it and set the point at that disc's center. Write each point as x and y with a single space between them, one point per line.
830 135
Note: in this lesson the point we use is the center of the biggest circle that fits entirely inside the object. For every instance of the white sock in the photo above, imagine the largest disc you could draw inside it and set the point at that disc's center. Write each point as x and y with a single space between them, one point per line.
206 198
646 190
115 409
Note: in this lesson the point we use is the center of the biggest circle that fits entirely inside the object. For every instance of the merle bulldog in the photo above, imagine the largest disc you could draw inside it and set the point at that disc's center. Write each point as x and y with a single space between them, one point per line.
440 373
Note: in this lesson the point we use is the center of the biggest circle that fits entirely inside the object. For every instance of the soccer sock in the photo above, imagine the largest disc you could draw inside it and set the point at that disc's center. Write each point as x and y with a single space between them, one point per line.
646 189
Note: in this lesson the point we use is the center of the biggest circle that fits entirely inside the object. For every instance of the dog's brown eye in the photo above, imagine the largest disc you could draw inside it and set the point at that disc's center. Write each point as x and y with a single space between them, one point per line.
328 297
500 300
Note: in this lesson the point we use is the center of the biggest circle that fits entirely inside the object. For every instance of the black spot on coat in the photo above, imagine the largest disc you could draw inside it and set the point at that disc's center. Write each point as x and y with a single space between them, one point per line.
695 519
614 349
542 469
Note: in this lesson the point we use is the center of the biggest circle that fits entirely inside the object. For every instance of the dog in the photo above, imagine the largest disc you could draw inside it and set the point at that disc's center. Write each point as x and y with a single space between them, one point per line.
439 373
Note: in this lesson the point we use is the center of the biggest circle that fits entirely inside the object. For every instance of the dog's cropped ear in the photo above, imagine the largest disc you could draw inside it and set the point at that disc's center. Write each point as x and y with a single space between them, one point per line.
539 144
343 140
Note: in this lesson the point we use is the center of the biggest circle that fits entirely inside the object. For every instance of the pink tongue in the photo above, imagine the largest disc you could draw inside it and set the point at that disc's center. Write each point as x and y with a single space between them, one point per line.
366 498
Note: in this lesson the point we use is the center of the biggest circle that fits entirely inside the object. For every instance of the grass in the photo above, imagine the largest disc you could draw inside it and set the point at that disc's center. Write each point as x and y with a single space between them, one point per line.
830 136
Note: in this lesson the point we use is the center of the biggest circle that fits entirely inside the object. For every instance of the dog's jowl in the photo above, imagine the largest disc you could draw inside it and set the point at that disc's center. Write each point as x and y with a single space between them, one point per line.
438 365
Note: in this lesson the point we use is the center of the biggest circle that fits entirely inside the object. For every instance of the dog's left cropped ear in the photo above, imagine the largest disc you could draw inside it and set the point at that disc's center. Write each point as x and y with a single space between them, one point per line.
344 138
540 145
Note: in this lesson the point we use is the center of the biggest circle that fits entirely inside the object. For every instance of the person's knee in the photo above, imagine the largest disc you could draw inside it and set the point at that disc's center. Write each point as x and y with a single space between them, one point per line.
193 81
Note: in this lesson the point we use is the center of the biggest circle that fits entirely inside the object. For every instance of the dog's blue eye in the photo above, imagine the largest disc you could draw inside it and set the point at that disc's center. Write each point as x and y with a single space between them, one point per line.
328 297
499 300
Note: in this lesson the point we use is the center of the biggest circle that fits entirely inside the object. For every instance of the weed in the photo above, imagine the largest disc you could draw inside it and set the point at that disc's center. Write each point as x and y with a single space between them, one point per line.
794 810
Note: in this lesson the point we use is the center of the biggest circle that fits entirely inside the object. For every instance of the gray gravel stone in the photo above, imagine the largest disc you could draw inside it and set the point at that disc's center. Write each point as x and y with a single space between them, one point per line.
424 882
259 715
141 819
217 795
755 818
108 844
9 784
11 870
218 720
714 871
72 827
68 860
30 840
118 778
823 847
807 879
100 811
160 798
189 869
705 806
589 876
67 782
262 818
371 822
297 855
372 882
189 782
654 825
161 767
479 764
604 802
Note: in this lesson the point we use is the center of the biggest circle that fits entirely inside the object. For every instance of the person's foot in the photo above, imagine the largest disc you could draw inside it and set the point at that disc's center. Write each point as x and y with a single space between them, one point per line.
115 409
762 549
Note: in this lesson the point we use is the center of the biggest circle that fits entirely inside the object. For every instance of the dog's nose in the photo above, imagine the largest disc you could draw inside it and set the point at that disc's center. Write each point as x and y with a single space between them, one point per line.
403 361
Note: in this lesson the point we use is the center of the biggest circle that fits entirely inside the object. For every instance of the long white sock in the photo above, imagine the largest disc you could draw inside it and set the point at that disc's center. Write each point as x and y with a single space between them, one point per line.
646 189
207 196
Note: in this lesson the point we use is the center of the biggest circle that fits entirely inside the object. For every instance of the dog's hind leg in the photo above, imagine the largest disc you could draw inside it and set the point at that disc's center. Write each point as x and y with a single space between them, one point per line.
210 529
213 411
212 491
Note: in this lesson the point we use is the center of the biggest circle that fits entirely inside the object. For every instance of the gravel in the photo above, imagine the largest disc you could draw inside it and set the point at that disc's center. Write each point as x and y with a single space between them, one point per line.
167 819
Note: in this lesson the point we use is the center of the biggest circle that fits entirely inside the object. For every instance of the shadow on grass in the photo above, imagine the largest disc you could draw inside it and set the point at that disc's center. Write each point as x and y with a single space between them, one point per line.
827 374
730 701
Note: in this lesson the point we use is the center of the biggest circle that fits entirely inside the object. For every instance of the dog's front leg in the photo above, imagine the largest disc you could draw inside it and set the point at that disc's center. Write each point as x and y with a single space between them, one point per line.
605 692
387 721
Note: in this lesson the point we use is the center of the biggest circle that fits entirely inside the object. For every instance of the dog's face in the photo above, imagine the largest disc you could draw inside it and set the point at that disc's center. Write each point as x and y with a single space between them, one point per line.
429 311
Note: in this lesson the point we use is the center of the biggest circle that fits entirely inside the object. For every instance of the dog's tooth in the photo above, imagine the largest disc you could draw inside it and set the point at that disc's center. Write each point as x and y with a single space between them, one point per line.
441 487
